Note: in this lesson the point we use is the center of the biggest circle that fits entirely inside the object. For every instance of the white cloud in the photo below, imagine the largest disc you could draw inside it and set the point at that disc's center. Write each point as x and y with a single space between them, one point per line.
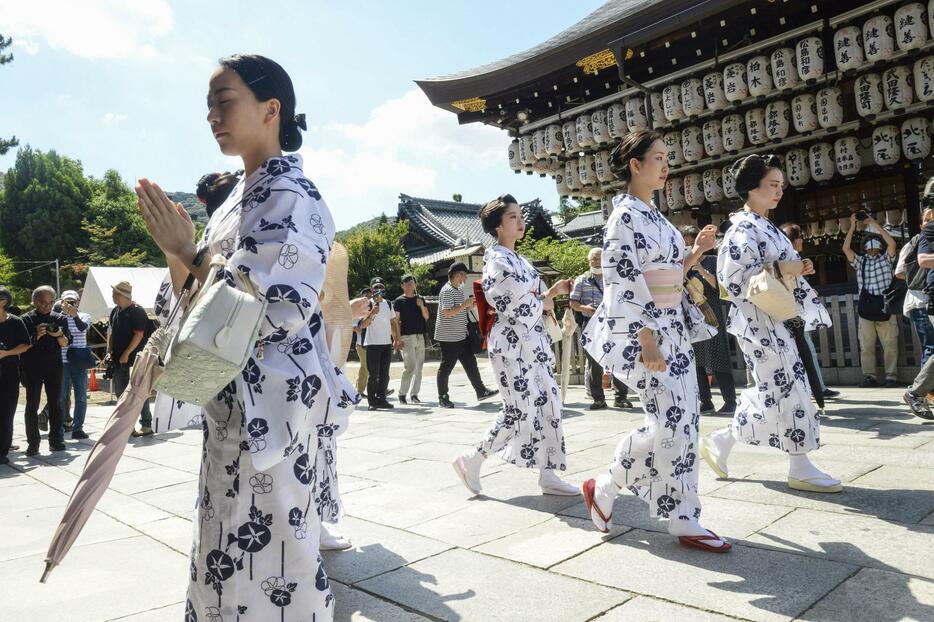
406 145
111 118
96 29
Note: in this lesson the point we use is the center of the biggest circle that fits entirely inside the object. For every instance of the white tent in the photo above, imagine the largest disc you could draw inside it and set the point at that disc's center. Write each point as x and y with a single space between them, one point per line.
97 300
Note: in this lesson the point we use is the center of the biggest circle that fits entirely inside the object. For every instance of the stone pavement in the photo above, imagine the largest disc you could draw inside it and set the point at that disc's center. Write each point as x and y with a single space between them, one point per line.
425 549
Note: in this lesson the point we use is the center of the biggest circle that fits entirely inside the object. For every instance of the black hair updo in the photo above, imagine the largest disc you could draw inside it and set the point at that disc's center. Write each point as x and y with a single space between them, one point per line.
748 172
491 214
633 145
214 188
268 80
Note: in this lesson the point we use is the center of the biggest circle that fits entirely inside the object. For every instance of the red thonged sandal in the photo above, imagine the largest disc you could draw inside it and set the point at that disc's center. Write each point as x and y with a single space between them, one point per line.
600 521
700 543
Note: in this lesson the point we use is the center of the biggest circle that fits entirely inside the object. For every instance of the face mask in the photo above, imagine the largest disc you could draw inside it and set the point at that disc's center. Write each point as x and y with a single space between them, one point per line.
597 271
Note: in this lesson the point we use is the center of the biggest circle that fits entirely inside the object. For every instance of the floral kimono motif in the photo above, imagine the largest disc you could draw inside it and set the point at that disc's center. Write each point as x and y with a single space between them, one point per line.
255 553
658 461
777 411
528 431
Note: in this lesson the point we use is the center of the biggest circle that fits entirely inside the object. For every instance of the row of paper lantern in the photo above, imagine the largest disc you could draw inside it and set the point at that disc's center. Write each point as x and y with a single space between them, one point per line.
820 163
897 87
838 226
881 35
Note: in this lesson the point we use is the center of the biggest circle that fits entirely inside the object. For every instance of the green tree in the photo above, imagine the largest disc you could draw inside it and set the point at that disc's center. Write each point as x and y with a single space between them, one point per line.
378 251
44 201
568 257
568 209
6 143
115 228
6 269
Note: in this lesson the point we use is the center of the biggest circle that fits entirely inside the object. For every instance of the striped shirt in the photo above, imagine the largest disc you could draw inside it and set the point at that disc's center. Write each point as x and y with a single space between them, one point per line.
450 329
80 337
588 289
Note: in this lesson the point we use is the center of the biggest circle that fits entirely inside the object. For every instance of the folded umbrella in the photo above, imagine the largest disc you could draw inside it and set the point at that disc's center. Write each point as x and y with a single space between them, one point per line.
104 456
335 305
568 328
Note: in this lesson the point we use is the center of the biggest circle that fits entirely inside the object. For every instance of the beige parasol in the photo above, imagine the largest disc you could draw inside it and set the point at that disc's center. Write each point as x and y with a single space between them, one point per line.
335 305
568 327
102 460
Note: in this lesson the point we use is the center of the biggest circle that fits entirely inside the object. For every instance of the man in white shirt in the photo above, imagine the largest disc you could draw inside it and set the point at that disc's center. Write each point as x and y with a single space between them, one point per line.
382 337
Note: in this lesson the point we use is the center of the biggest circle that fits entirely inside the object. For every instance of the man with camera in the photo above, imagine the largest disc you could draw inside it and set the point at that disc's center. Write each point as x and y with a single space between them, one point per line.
412 319
451 334
382 337
125 339
873 275
76 360
41 366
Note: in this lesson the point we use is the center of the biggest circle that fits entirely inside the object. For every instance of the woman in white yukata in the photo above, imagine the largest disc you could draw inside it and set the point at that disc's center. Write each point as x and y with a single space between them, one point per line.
255 552
777 411
528 431
642 333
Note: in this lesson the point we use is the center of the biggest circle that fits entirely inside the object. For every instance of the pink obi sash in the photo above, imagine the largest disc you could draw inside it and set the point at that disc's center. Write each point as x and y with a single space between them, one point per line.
666 286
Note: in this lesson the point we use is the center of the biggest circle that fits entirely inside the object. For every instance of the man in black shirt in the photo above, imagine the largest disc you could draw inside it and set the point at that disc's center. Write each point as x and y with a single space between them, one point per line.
42 367
412 318
126 338
14 340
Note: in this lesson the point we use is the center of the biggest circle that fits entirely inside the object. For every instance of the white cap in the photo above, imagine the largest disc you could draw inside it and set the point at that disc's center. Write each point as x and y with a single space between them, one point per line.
70 295
873 243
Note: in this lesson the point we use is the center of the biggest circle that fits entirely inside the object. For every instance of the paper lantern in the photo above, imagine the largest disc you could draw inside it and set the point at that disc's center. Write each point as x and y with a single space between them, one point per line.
587 170
674 194
879 38
777 120
526 155
602 167
713 185
815 229
734 132
820 159
514 162
796 167
671 101
636 118
554 141
894 217
885 148
784 72
584 129
616 119
735 86
601 132
759 75
924 79
843 224
714 96
729 183
809 57
755 126
658 110
867 89
713 139
896 87
569 133
846 156
694 189
911 31
804 112
848 47
692 97
829 107
831 227
692 143
673 145
572 174
561 184
538 144
916 138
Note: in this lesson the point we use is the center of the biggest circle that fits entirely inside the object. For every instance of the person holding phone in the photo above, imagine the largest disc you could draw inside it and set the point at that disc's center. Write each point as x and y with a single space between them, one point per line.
42 368
382 337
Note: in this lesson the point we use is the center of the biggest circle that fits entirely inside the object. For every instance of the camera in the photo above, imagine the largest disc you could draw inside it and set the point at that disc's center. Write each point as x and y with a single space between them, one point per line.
861 215
109 367
51 328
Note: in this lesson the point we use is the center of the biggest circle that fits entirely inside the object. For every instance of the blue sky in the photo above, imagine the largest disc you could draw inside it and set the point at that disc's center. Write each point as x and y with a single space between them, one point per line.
122 83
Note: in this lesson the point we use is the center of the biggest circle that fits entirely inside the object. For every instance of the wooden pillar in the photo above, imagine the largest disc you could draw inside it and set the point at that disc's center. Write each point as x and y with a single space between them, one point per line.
912 180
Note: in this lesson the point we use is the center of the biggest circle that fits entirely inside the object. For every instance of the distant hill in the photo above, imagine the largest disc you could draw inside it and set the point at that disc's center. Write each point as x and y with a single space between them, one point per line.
191 204
372 223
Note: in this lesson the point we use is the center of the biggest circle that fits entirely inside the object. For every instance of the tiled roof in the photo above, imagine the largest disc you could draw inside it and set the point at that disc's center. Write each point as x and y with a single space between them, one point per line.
585 221
447 222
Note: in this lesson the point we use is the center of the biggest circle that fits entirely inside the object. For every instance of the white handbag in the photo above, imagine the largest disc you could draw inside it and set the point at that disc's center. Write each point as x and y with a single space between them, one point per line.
216 337
773 295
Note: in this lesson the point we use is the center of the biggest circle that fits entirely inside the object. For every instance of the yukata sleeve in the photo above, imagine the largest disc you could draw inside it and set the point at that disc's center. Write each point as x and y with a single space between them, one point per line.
627 303
283 250
510 291
739 260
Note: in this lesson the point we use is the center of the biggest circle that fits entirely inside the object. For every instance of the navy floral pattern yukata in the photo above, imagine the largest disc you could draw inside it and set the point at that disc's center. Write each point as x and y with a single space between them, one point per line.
255 553
777 411
528 431
657 461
